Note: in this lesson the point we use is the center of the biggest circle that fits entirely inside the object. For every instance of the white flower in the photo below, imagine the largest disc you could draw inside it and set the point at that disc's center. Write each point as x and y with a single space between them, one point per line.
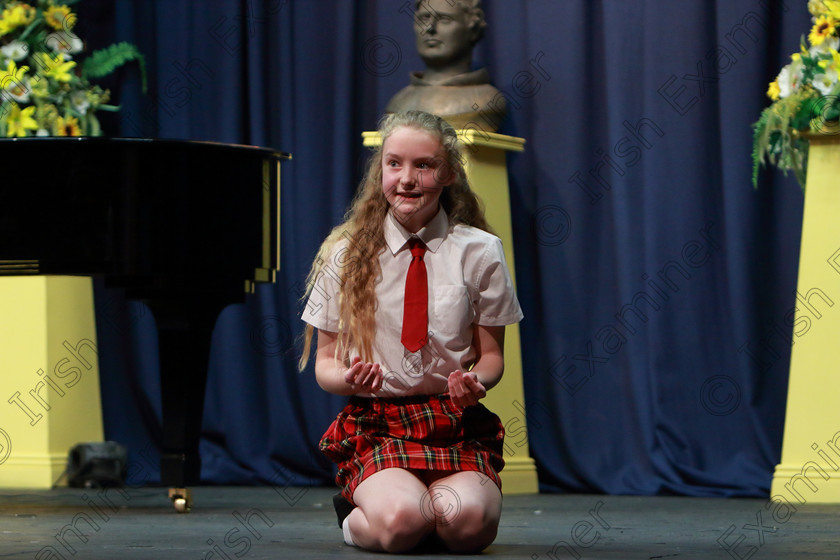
80 102
790 78
19 91
825 82
42 132
829 44
65 43
16 50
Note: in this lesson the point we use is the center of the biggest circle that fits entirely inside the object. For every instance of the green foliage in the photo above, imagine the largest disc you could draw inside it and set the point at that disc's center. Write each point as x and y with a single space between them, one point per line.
104 61
44 74
777 135
759 131
805 95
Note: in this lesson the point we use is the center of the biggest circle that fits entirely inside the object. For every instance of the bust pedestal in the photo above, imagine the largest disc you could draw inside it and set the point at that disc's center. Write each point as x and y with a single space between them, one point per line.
810 468
486 166
49 376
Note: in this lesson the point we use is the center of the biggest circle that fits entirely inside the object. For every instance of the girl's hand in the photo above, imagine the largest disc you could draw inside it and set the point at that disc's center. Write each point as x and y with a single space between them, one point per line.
364 377
465 389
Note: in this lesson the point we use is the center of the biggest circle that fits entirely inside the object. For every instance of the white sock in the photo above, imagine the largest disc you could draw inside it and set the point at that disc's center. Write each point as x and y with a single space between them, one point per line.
345 528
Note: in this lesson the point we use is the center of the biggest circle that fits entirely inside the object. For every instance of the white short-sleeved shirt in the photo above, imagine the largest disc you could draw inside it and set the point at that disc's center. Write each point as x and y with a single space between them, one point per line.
469 284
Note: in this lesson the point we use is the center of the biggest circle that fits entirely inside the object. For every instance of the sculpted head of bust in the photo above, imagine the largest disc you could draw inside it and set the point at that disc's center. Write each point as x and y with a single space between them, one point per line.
446 32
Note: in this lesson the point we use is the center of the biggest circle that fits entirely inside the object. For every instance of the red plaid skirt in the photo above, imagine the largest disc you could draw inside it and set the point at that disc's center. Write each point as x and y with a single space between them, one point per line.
423 432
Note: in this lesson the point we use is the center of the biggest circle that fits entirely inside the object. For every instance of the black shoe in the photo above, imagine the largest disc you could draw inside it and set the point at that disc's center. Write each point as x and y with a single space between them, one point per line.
343 507
432 544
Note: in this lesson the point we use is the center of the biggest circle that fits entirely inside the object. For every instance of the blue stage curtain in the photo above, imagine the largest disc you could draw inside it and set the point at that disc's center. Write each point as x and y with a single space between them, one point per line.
656 282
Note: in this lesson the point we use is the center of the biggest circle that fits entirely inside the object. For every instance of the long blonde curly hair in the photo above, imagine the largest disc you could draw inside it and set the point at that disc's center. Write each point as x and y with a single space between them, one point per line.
363 230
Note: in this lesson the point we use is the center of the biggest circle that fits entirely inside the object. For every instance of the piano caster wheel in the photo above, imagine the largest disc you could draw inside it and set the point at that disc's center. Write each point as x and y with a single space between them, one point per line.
181 499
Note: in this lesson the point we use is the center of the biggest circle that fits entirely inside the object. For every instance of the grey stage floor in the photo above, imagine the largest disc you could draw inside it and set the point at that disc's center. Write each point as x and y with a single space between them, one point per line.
299 523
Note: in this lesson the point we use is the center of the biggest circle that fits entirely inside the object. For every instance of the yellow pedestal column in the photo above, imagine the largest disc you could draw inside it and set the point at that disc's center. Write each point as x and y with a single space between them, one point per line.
49 376
810 468
486 167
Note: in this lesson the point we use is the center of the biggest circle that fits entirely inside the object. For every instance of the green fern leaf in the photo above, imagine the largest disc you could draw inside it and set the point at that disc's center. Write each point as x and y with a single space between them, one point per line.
759 144
104 61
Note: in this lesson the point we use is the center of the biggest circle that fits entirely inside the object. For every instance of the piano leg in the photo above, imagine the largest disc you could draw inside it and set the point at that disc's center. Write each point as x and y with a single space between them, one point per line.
184 333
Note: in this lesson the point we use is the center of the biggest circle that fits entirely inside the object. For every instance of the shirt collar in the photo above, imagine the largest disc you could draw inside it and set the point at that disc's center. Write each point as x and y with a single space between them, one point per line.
432 234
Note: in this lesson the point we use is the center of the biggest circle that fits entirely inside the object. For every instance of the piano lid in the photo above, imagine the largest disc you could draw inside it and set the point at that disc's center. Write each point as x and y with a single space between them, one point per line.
45 142
156 212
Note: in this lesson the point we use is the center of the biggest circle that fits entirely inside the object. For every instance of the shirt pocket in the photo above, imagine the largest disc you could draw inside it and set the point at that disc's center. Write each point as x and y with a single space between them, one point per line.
452 310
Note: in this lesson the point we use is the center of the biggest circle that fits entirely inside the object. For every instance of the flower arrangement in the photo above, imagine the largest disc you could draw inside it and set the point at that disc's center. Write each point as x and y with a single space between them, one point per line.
805 95
44 88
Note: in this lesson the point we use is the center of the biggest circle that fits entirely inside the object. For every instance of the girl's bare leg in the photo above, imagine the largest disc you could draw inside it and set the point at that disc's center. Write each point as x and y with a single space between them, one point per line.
389 516
467 506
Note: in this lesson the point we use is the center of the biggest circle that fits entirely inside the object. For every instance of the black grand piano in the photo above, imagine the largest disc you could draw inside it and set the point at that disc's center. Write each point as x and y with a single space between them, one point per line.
186 227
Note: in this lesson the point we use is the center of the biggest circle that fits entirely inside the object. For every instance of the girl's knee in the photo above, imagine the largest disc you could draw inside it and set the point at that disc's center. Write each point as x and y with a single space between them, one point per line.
403 526
471 529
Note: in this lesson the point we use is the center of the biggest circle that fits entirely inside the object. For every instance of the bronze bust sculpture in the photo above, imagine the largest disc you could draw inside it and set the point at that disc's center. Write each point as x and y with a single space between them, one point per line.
446 32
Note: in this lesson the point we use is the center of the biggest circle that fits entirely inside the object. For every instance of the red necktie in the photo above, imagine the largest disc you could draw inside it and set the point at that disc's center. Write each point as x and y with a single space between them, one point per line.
416 310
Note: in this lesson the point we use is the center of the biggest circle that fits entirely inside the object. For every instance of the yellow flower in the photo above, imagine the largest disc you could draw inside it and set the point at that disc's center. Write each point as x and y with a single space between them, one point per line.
16 16
832 8
19 121
6 23
816 7
56 68
823 28
60 18
773 91
12 74
13 82
67 127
